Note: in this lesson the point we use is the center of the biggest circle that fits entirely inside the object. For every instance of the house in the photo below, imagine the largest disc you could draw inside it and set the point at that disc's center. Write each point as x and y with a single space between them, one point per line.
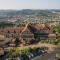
5 41
40 35
51 38
11 32
35 32
1 51
41 31
27 35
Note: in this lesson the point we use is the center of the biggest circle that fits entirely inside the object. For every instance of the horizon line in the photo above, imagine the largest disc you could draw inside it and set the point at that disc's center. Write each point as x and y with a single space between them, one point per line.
31 9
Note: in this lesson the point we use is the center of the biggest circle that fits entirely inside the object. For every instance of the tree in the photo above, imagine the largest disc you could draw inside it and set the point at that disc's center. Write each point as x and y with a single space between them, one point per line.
17 42
56 29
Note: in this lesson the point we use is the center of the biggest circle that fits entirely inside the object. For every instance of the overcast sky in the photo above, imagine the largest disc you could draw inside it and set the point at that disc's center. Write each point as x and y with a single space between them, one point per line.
29 4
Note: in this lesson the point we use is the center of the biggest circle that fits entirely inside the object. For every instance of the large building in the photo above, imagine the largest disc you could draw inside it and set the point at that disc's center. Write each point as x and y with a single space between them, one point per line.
28 33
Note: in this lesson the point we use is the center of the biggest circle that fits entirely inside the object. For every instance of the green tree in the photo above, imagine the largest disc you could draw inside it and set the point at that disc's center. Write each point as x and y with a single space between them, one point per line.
17 42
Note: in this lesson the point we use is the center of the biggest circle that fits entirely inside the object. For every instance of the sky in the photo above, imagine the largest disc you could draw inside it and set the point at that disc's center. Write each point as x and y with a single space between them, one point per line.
29 4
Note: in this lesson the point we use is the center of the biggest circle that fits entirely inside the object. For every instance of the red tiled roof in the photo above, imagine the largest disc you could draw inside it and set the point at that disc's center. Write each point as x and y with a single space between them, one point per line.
26 28
17 30
42 27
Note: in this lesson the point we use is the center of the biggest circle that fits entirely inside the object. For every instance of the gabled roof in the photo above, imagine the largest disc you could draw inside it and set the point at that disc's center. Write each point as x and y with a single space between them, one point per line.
42 27
29 27
26 29
35 28
11 30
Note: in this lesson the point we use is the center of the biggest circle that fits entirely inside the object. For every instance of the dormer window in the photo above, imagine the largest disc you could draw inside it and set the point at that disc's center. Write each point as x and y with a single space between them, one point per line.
8 32
14 31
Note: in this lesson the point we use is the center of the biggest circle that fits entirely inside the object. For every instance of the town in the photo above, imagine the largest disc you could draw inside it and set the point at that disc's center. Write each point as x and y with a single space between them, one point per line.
24 37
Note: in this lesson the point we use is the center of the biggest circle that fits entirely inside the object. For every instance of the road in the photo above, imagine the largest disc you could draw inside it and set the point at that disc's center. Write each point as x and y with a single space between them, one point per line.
48 56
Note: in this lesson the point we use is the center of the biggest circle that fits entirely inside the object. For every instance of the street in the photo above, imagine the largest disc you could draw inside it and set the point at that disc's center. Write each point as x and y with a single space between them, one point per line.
48 56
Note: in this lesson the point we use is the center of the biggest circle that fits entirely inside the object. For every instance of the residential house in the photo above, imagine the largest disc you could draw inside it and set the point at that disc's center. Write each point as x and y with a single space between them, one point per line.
27 35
